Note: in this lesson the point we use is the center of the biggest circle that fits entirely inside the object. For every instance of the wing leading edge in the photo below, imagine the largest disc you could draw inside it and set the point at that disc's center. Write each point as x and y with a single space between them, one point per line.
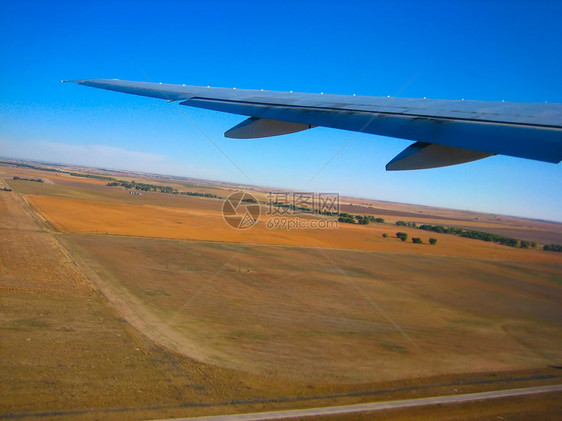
446 132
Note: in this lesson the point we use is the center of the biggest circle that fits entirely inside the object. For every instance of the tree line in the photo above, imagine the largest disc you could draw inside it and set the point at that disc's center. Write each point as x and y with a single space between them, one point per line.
195 193
96 176
37 180
75 174
416 240
143 186
349 218
33 167
158 188
477 235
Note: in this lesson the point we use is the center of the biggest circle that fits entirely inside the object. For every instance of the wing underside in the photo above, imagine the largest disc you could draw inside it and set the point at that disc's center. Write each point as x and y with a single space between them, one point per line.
446 132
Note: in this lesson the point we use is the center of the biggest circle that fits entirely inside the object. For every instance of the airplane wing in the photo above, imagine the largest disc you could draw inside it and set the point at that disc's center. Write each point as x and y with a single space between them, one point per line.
446 132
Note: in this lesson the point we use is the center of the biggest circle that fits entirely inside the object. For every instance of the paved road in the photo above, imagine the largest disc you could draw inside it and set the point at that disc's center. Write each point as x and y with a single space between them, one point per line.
376 406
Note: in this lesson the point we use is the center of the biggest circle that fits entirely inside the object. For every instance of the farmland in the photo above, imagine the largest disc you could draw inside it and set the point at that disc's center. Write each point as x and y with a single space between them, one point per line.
145 303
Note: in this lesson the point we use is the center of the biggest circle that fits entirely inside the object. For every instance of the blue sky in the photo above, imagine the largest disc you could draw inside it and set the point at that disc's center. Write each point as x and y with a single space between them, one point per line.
498 50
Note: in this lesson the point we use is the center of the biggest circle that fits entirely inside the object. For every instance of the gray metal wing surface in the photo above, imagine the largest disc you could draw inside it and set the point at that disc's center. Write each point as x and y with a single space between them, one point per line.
446 132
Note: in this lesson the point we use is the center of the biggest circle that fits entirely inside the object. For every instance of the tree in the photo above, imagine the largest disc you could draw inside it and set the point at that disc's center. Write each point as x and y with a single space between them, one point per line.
346 217
524 244
384 235
363 220
402 235
432 241
416 240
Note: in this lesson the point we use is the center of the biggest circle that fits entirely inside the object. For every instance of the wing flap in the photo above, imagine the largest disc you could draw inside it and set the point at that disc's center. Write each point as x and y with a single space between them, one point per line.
421 155
254 127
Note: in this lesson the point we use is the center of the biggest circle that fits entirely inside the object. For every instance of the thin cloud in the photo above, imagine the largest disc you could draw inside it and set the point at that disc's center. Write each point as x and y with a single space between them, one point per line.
99 156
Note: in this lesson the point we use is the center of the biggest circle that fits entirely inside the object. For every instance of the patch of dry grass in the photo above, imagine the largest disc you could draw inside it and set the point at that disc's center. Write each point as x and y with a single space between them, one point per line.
290 312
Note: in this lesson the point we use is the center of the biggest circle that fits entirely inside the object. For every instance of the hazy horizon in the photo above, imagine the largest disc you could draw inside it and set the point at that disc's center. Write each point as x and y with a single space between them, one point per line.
342 194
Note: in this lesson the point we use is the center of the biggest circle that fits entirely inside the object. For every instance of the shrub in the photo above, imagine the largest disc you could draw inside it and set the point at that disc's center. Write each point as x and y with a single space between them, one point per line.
402 235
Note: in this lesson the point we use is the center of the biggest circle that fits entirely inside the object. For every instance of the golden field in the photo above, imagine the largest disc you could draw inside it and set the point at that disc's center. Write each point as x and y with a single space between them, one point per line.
115 305
197 220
